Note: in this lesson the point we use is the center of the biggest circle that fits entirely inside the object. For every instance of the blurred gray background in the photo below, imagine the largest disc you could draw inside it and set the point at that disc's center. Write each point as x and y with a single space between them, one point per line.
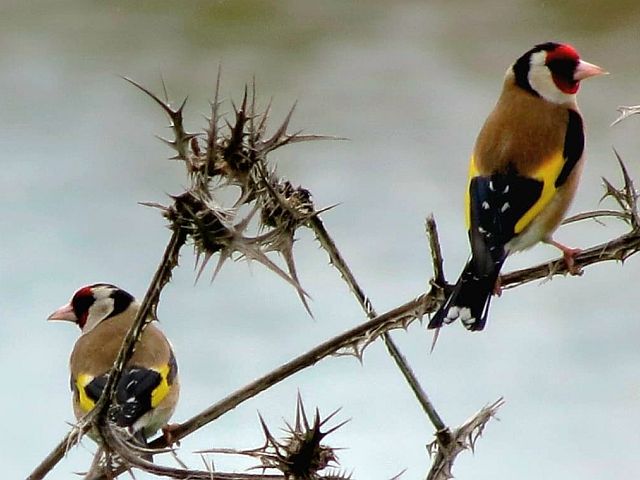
409 83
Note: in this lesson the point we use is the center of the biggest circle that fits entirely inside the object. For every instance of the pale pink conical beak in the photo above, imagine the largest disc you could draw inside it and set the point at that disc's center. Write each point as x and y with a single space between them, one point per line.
586 70
64 313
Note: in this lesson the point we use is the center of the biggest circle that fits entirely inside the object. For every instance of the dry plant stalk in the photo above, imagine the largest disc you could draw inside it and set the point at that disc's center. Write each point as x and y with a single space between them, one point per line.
626 112
234 153
444 451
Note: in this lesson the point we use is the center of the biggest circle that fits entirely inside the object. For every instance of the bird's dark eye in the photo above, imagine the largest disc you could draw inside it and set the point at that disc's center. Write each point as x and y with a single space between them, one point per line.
563 67
562 71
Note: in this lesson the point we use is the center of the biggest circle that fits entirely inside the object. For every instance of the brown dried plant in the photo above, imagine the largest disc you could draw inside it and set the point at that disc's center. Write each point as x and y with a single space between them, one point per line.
263 219
300 455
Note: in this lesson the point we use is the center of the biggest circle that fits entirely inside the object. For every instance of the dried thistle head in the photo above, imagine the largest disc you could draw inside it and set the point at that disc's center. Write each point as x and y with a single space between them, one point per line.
228 155
304 455
215 230
233 152
209 226
236 152
301 455
286 207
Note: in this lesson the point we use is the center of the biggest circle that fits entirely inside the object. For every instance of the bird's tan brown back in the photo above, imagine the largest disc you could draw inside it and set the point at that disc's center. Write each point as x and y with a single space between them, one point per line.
521 130
96 357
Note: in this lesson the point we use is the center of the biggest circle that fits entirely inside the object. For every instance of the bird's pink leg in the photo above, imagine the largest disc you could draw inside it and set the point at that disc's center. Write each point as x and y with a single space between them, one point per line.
569 255
167 433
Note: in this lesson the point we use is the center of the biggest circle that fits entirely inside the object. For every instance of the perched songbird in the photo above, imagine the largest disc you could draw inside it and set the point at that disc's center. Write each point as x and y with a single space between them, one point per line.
523 173
148 390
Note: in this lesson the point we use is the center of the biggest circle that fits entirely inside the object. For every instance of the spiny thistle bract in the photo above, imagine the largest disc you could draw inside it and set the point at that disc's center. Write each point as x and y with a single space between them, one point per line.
300 455
281 208
234 154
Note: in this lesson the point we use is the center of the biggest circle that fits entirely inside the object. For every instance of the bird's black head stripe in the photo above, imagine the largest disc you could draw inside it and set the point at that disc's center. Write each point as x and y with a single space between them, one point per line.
523 65
121 301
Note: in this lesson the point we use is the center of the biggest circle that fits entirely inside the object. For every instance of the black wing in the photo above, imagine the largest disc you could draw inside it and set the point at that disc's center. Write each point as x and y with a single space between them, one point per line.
497 203
133 394
573 146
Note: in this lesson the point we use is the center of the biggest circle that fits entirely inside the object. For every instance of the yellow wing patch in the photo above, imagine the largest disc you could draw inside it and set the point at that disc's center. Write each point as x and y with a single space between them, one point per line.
473 172
161 391
547 173
157 395
86 404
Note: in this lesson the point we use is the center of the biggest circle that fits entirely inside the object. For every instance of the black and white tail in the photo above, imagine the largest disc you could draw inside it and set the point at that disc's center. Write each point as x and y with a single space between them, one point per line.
470 298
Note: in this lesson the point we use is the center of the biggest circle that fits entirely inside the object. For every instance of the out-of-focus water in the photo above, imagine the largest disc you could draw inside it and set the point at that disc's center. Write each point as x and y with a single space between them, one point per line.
409 83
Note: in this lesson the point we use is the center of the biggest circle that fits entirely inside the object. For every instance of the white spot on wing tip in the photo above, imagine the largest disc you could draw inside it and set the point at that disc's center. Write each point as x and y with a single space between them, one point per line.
452 314
465 316
463 313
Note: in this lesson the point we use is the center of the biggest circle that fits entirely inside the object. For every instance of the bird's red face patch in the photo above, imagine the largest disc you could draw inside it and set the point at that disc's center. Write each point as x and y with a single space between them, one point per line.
563 52
562 62
81 302
83 292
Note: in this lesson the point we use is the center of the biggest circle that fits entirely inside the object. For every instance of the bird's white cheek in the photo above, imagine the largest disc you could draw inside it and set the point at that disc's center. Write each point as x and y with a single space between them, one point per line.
541 81
98 312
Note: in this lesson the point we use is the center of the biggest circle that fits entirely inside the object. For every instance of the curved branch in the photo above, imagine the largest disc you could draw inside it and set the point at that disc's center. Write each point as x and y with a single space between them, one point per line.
617 249
239 158
133 459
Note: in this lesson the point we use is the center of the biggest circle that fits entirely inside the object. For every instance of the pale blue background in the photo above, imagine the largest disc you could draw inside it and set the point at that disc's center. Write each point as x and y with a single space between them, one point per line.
409 83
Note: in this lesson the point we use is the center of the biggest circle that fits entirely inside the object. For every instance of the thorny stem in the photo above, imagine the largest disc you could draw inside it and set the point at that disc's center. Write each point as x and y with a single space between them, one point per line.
617 249
327 243
316 224
305 360
436 251
413 382
146 311
115 441
462 438
283 372
145 315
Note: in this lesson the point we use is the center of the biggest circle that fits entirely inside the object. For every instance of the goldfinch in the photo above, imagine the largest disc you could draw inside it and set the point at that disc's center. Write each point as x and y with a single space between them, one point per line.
523 173
148 390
